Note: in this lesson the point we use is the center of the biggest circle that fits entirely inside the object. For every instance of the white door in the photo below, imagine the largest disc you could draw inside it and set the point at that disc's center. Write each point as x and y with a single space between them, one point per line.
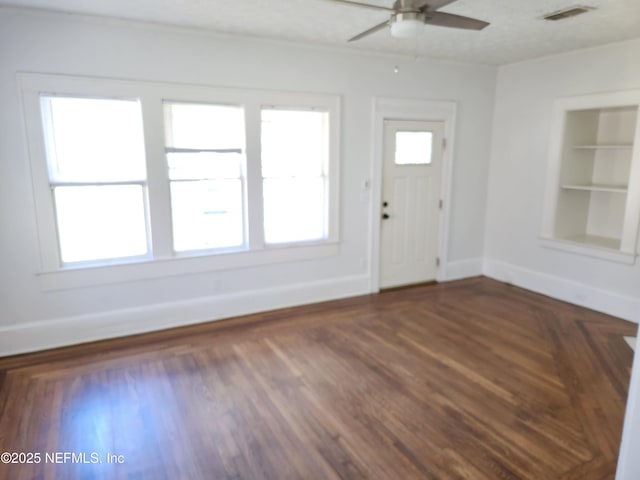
410 202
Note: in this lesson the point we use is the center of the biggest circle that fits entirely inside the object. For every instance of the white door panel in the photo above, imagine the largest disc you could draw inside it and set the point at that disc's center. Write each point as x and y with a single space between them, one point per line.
411 196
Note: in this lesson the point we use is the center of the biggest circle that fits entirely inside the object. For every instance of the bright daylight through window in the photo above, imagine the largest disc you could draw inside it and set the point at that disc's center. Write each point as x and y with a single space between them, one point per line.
153 179
96 164
295 156
205 153
413 148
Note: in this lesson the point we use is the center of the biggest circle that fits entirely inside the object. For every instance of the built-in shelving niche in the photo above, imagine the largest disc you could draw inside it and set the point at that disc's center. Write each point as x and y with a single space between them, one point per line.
593 192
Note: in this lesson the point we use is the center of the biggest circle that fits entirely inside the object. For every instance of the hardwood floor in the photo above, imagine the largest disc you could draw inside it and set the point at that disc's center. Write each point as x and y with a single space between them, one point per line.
465 380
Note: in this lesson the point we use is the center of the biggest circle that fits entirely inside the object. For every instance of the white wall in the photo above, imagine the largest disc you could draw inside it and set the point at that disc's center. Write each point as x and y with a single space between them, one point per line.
524 97
31 318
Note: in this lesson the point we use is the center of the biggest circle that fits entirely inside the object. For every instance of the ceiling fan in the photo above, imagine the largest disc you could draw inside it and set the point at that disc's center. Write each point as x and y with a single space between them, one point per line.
408 17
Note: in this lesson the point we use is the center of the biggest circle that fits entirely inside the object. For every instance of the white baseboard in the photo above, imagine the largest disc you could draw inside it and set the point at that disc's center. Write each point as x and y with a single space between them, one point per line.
61 332
569 291
459 269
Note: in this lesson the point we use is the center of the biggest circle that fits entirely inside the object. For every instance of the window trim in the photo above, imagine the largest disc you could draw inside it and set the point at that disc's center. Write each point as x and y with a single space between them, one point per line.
164 261
167 119
46 116
324 175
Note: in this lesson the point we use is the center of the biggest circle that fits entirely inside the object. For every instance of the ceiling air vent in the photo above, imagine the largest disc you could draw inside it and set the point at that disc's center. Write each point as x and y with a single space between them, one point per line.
568 12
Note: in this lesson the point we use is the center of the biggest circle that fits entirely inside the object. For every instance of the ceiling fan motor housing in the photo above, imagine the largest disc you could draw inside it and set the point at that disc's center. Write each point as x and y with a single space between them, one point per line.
407 24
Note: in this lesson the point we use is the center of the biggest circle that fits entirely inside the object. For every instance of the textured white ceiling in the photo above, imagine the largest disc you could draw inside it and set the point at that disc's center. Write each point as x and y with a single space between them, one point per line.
516 33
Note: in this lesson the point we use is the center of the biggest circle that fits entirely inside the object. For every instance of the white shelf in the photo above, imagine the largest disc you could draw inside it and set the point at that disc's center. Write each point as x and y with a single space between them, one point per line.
594 240
597 188
627 146
591 246
592 203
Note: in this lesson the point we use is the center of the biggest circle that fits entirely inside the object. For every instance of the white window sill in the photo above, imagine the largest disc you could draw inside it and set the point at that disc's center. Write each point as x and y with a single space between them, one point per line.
71 278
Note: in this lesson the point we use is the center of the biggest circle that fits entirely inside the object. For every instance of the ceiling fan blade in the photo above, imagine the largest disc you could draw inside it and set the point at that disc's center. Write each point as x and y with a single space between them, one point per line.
442 19
364 5
370 31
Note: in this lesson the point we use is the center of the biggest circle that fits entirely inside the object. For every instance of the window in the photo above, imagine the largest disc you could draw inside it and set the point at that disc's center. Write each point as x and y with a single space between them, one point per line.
146 179
295 154
413 148
96 166
205 156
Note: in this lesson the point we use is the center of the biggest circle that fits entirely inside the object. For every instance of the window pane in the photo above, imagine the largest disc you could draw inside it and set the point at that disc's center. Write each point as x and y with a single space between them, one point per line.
94 139
294 143
100 222
206 214
201 126
294 210
413 148
204 165
207 202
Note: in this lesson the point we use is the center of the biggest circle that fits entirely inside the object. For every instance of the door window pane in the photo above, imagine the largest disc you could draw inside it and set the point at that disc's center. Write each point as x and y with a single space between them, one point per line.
100 222
413 148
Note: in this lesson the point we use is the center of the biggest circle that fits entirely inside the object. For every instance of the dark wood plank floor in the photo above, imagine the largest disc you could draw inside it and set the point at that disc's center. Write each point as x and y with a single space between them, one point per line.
466 380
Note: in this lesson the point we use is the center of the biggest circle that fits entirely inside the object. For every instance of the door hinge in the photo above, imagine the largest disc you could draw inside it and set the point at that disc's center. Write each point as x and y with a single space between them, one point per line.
440 204
444 143
437 261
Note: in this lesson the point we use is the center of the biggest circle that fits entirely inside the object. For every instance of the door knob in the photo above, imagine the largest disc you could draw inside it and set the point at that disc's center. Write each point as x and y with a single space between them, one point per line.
385 216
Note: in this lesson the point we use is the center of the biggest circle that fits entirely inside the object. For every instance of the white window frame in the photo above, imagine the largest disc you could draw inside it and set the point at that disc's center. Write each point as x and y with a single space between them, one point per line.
46 118
163 261
326 171
243 180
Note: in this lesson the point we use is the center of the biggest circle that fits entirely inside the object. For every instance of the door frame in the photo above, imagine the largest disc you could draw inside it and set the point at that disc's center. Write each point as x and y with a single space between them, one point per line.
387 108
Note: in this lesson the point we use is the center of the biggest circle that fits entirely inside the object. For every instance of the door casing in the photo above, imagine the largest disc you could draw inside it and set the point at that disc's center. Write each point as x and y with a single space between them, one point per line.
385 108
